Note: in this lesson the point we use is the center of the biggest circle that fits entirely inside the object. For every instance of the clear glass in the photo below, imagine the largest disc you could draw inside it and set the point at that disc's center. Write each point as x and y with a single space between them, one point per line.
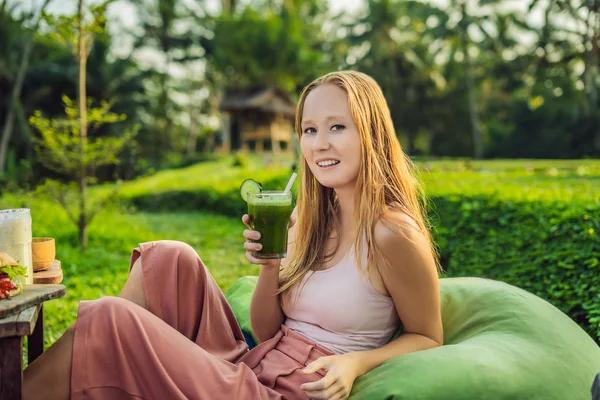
270 215
15 238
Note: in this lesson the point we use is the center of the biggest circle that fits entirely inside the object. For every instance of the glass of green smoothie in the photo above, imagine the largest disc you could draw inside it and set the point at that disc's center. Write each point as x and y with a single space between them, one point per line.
270 213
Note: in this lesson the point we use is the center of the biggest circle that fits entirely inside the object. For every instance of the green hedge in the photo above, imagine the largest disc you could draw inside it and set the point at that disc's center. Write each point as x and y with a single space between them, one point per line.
552 250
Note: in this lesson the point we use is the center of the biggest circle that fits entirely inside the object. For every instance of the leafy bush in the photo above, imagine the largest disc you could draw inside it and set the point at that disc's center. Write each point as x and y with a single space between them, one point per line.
239 161
550 250
177 161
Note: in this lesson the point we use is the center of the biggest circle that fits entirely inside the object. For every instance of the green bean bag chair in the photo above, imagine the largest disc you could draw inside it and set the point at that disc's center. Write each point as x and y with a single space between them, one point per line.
501 342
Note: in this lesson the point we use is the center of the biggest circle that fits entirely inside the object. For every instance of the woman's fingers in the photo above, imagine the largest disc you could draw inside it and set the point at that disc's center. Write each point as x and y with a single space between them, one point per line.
332 392
251 235
251 246
246 220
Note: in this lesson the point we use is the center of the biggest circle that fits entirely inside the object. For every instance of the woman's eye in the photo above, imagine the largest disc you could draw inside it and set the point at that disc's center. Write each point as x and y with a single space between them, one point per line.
337 127
310 130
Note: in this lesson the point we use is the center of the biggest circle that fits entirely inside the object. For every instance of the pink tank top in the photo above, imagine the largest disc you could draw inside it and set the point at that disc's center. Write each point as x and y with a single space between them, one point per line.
340 310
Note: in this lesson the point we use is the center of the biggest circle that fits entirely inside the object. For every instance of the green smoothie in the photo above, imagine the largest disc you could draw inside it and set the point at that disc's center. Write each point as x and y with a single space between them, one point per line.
270 215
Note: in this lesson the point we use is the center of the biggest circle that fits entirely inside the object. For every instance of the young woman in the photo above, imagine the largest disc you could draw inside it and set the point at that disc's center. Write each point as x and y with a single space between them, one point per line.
360 264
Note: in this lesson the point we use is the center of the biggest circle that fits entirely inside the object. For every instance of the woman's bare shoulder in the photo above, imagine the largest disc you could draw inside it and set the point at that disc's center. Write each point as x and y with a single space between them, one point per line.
394 223
397 235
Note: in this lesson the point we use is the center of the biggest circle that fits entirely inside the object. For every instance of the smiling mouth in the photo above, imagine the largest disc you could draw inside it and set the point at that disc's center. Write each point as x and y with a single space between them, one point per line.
329 163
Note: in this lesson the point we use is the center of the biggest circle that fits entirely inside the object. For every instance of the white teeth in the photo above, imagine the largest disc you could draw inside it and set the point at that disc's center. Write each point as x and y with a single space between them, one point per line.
327 163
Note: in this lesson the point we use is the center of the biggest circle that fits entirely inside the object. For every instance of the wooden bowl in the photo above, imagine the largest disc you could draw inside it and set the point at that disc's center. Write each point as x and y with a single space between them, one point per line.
43 251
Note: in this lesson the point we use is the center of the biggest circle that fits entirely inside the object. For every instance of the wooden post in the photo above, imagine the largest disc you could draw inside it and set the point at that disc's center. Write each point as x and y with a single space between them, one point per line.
35 344
11 368
273 127
225 132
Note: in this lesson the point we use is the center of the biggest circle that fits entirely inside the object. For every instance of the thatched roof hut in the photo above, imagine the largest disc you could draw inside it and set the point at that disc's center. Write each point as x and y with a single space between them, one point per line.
257 119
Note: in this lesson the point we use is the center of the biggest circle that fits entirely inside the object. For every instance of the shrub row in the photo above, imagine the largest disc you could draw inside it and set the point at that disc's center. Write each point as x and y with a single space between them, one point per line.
550 250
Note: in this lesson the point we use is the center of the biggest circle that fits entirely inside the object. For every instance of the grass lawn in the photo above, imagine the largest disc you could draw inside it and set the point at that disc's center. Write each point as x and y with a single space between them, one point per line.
103 269
544 181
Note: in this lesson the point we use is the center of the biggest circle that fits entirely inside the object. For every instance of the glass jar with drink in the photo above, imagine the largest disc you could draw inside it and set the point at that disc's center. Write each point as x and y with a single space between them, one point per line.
269 213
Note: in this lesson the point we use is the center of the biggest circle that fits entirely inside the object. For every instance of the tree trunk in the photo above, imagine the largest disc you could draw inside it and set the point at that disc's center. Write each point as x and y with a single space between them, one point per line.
165 137
411 132
83 224
473 112
6 135
7 130
593 75
410 142
194 131
229 6
82 53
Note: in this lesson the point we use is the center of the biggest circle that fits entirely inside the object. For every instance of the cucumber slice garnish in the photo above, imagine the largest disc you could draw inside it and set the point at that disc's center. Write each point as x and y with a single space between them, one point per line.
249 186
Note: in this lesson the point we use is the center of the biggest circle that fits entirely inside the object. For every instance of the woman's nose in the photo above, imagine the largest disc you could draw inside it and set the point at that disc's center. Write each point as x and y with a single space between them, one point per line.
321 141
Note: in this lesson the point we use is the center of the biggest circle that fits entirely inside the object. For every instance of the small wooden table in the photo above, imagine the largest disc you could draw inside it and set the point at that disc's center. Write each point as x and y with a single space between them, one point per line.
21 316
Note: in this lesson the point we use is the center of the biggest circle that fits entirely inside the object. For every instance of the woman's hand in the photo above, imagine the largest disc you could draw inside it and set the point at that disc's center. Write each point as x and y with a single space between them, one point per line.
251 245
342 370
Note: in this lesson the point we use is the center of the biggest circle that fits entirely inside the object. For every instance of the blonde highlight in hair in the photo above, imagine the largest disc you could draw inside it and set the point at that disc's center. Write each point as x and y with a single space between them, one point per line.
386 180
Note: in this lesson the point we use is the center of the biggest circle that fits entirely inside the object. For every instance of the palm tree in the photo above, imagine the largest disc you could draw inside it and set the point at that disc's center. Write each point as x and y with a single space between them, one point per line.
583 26
457 36
399 58
158 22
465 43
18 85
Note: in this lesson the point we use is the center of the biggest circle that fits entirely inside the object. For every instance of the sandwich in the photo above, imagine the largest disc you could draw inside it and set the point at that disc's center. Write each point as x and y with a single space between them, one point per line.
10 271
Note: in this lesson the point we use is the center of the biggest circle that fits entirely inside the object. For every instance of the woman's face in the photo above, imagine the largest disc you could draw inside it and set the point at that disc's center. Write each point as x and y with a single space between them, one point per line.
330 142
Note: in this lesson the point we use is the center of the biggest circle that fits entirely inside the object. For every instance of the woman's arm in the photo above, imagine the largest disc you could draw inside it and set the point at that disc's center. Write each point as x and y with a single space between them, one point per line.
412 280
266 315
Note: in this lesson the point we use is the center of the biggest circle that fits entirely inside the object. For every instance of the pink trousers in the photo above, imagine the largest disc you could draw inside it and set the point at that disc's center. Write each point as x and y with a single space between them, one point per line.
186 345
